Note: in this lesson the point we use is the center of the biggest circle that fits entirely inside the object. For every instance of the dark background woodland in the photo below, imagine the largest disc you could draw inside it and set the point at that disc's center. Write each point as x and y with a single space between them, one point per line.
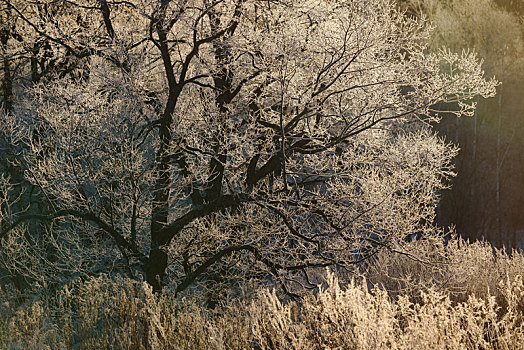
486 198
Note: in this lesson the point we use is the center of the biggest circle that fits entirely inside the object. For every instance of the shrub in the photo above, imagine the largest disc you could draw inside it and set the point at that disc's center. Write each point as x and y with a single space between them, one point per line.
459 269
481 311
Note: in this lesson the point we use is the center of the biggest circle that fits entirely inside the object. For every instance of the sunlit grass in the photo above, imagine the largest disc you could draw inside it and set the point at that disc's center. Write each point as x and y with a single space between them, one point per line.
119 313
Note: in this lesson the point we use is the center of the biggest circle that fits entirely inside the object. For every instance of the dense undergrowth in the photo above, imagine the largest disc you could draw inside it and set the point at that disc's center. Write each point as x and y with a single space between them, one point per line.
459 296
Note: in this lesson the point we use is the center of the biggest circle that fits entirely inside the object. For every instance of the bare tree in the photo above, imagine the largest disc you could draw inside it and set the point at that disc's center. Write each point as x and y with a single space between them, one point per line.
222 140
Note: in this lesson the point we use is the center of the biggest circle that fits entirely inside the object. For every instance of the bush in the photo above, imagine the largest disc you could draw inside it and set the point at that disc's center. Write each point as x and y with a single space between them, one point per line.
459 269
470 300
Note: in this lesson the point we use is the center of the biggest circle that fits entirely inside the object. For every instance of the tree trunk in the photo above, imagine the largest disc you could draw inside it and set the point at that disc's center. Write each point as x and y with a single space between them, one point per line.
157 263
500 158
7 83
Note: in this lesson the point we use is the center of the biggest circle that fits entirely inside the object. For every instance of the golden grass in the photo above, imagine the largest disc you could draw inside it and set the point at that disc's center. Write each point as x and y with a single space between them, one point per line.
422 313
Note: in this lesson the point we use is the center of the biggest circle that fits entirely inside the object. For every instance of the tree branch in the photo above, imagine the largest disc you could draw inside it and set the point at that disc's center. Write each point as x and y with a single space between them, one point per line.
170 231
86 216
274 267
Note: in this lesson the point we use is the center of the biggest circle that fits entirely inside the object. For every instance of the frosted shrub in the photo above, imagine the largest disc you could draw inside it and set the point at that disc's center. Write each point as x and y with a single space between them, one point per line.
350 317
354 318
458 269
119 313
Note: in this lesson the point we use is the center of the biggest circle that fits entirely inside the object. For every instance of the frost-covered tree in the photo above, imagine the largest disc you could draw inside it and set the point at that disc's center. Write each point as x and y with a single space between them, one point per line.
232 140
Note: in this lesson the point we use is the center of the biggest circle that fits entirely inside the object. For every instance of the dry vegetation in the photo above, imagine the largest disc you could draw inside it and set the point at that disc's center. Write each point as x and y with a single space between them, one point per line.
225 156
471 298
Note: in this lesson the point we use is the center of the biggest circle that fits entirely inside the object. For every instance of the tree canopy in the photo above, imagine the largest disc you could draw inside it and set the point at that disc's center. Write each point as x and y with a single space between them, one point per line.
204 141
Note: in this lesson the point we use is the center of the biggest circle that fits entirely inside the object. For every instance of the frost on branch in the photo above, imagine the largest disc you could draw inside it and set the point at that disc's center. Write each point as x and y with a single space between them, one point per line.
231 141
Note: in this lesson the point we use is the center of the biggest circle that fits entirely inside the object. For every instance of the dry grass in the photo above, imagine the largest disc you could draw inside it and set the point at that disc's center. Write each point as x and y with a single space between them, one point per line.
459 269
474 301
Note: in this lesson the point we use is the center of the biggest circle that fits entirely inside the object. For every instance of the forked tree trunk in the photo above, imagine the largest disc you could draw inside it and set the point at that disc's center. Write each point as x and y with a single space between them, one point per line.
157 264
